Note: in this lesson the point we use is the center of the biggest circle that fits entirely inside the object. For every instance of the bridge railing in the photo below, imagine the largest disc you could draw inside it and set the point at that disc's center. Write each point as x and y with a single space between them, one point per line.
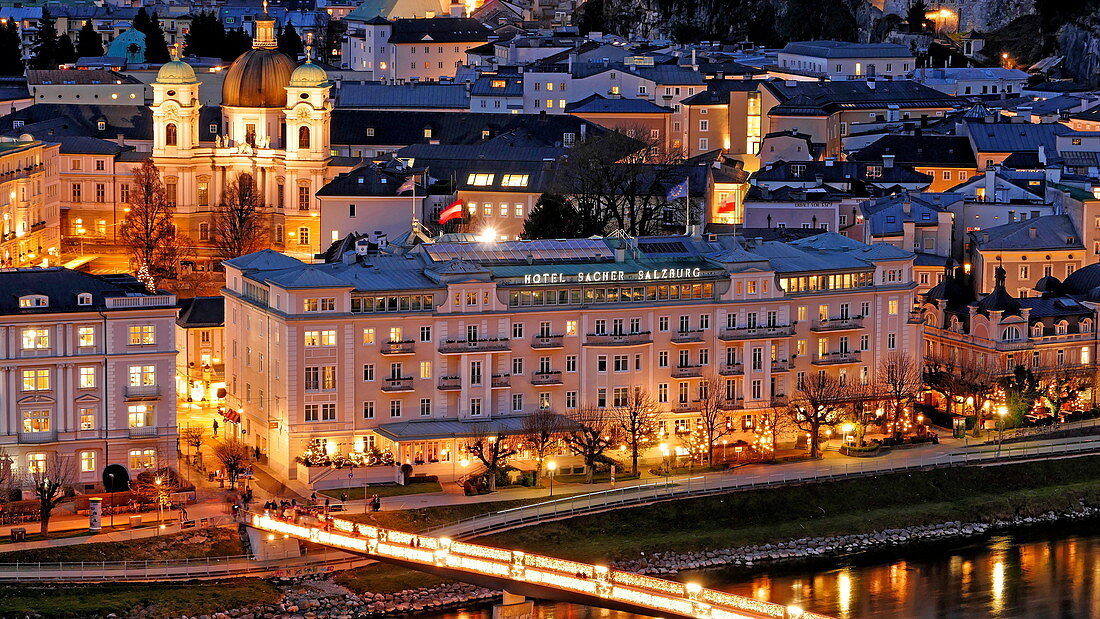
702 485
646 592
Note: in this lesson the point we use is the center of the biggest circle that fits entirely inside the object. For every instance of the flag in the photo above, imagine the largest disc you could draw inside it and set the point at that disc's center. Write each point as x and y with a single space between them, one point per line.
454 211
678 191
728 207
408 185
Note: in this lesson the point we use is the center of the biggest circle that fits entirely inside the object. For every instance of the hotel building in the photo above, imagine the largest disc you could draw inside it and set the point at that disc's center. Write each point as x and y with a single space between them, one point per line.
416 349
87 373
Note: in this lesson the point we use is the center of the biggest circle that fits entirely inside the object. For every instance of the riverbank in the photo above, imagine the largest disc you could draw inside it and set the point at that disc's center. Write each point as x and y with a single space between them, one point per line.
750 528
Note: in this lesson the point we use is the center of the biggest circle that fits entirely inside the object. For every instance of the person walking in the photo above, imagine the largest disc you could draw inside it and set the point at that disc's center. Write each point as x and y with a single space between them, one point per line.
215 428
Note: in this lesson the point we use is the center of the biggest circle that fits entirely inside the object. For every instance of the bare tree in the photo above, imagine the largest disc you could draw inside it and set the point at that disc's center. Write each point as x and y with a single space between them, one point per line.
51 479
714 423
817 402
620 180
898 379
234 456
774 421
541 434
238 222
493 449
193 437
1061 386
148 232
591 434
637 421
860 401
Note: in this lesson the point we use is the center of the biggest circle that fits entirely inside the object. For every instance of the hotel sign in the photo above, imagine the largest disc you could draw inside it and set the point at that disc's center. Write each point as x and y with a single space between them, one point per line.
612 276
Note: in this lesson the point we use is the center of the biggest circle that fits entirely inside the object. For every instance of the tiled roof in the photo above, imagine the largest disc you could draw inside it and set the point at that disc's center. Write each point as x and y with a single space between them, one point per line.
439 30
844 49
597 104
935 150
1046 232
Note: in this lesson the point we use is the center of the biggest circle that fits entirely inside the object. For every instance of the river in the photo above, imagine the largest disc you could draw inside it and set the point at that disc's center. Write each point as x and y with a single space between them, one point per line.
1037 575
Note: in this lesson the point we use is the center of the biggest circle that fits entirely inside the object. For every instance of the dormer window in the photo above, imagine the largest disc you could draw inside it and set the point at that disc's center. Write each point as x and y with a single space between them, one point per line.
480 179
1037 330
428 132
84 298
1010 334
798 169
34 300
370 132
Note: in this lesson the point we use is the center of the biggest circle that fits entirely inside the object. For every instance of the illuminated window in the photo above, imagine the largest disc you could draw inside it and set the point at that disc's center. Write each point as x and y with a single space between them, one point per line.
87 461
143 375
143 458
142 334
87 378
514 180
480 179
34 300
87 418
36 380
36 338
35 421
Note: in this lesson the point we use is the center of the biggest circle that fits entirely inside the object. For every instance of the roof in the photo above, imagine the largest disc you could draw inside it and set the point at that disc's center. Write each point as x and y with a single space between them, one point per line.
840 172
412 95
439 30
1007 137
597 104
844 49
133 122
886 216
933 150
89 77
382 127
1045 232
82 145
366 180
371 11
831 97
201 312
497 85
61 287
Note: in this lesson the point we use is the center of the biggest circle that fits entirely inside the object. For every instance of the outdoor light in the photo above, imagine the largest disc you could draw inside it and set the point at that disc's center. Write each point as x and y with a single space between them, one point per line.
1002 411
487 235
794 612
847 428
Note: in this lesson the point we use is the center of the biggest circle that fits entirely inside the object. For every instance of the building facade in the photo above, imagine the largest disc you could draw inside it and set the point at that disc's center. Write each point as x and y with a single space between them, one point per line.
417 350
88 373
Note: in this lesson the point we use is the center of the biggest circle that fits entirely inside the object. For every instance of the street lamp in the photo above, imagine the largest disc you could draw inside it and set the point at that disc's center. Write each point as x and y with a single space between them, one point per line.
847 430
1001 412
551 466
160 506
111 476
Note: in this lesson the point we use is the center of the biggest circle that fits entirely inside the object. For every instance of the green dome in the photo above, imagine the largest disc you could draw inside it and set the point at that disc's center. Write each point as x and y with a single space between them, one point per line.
176 72
308 75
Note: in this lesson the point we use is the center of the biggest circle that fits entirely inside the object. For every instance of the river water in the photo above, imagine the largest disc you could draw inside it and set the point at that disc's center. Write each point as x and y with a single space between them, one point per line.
1037 575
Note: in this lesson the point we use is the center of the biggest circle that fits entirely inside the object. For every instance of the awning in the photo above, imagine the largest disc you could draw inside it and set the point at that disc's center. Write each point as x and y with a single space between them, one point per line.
434 429
230 415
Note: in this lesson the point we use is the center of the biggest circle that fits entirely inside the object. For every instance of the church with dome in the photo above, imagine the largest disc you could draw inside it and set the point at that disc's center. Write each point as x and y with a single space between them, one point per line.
273 125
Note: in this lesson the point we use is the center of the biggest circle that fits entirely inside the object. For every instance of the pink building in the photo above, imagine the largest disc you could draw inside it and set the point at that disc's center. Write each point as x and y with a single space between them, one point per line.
416 350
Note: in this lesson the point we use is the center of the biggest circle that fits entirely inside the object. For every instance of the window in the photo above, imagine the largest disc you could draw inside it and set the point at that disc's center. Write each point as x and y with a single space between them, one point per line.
571 363
481 180
425 334
36 338
368 409
142 334
87 378
139 416
368 335
84 298
143 458
425 407
514 180
143 375
87 418
35 421
87 461
570 399
425 369
36 380
170 134
475 407
303 137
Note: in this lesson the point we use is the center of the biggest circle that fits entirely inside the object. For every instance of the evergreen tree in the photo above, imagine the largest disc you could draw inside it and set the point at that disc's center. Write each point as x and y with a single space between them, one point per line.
206 38
88 42
66 52
44 45
11 59
156 49
142 23
552 218
289 42
237 42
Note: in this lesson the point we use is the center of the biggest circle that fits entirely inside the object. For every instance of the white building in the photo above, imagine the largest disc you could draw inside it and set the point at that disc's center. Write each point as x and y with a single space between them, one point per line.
839 60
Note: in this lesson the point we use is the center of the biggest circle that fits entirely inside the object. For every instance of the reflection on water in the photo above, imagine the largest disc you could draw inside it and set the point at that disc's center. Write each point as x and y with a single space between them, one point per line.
1035 576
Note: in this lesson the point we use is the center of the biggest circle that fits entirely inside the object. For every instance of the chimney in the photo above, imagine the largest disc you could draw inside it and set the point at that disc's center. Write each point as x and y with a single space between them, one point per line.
1042 154
888 161
907 207
819 178
990 184
620 254
121 139
1032 232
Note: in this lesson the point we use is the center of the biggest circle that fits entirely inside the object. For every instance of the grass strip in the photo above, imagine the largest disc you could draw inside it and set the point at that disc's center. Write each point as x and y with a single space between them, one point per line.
357 492
156 600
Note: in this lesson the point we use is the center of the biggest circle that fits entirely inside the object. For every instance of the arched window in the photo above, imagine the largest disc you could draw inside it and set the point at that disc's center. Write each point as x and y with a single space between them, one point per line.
303 137
1061 328
170 134
1010 334
1085 326
204 231
1037 330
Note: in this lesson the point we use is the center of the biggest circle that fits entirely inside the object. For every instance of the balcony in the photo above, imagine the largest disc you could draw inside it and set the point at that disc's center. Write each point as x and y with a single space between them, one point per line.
839 324
687 371
836 358
780 365
751 333
143 431
548 341
489 344
1017 345
143 391
397 384
38 437
542 379
501 381
686 407
691 336
618 339
450 383
731 369
404 347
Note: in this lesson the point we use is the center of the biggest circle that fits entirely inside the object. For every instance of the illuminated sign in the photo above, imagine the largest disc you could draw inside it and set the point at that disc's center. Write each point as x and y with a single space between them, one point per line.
611 276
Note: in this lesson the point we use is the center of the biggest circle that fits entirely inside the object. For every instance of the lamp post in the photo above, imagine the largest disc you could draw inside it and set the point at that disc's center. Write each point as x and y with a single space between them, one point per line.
1001 412
160 506
551 466
111 476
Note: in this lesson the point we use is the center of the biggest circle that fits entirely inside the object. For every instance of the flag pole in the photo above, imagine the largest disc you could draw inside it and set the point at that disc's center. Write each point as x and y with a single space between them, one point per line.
687 206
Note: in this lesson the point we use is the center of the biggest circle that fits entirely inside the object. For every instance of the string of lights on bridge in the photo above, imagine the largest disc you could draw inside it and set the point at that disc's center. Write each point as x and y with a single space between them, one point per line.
683 599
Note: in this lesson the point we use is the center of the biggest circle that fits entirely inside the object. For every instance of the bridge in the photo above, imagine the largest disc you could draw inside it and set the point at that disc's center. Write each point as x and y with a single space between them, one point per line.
525 574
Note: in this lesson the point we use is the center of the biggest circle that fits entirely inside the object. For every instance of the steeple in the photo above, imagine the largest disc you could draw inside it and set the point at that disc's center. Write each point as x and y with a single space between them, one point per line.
265 31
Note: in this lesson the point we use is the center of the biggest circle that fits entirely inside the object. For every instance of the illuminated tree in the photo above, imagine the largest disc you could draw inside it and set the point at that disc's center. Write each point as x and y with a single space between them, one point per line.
238 223
148 232
541 434
234 456
774 421
493 449
592 433
898 379
637 421
714 423
1062 386
818 402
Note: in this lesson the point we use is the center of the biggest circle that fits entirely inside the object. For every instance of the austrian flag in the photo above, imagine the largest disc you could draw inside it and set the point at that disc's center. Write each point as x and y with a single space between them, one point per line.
454 211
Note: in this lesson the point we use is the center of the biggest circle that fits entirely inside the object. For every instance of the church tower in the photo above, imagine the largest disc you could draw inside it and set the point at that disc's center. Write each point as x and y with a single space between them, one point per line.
175 110
308 113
